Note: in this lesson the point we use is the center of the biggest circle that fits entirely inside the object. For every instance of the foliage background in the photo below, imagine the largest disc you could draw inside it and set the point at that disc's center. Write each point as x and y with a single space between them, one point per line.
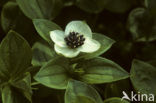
134 32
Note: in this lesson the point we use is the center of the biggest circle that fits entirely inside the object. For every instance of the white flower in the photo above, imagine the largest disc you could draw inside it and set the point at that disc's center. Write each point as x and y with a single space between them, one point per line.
76 38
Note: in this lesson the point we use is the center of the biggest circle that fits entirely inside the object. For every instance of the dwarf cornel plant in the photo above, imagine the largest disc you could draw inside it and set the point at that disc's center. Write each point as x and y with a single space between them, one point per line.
77 51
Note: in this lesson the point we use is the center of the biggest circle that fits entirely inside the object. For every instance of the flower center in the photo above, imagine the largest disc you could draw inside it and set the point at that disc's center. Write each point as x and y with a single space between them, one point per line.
74 40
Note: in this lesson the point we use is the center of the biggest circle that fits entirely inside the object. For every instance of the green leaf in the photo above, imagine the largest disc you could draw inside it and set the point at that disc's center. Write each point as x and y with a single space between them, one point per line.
10 95
115 100
68 2
101 70
43 27
105 42
118 6
42 53
8 18
40 9
12 19
15 55
151 6
91 6
147 2
138 24
79 92
115 89
54 74
24 85
143 77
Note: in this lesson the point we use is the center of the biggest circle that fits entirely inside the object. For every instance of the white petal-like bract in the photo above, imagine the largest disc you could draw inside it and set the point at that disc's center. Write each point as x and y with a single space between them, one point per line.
66 51
57 37
80 27
90 45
